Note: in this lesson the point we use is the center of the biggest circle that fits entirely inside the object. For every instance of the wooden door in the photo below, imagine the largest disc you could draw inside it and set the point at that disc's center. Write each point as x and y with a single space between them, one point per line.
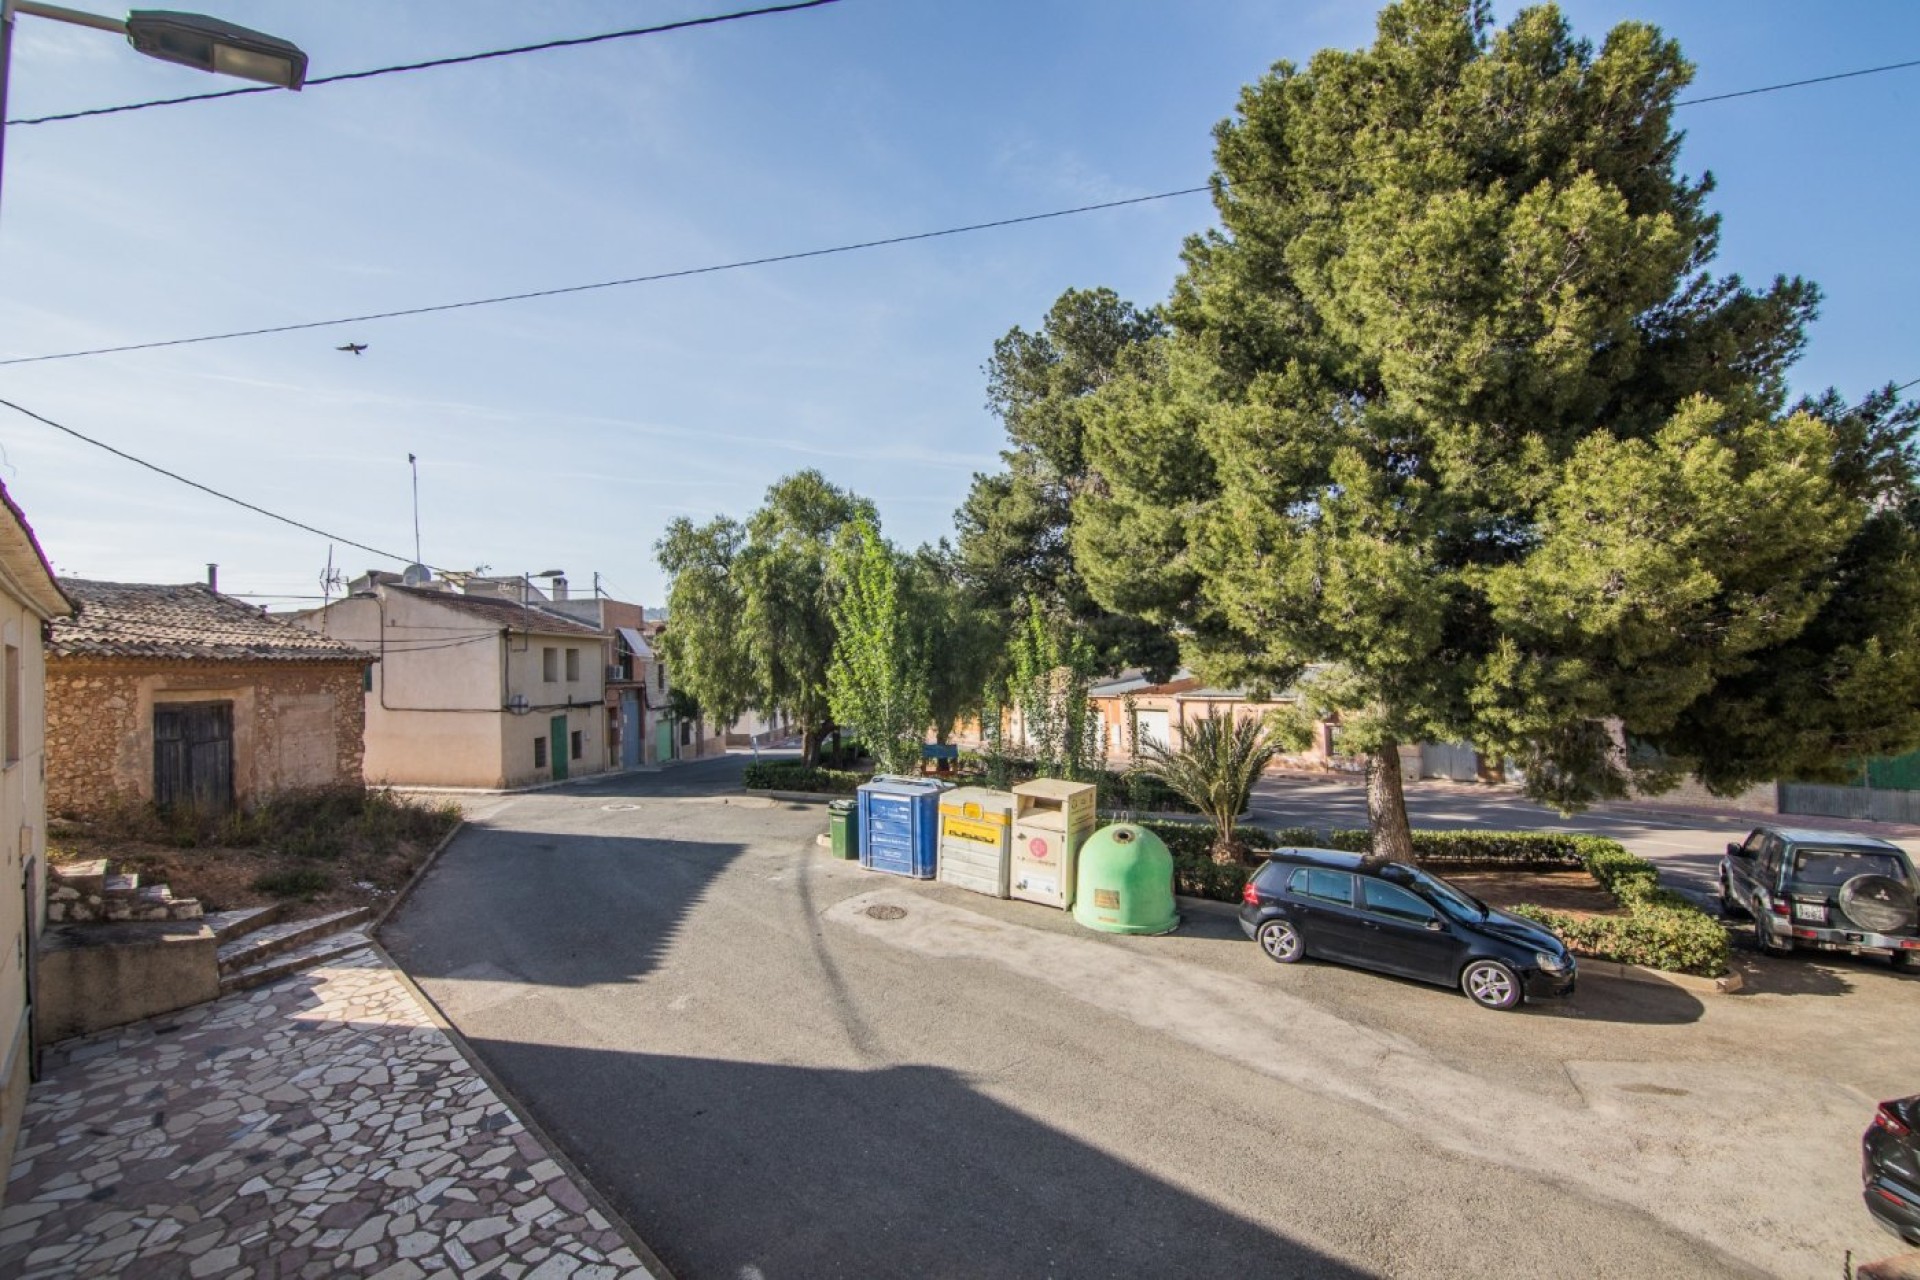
193 756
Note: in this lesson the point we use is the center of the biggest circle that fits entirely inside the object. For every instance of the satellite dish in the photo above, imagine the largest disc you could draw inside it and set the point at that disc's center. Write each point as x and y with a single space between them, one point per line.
415 575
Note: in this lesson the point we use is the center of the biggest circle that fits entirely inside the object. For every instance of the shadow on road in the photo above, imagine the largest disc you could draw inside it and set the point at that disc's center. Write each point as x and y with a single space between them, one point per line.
739 1169
470 922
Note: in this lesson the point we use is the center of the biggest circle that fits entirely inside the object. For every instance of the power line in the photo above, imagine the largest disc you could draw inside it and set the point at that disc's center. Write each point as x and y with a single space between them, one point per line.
1795 84
195 484
609 284
456 60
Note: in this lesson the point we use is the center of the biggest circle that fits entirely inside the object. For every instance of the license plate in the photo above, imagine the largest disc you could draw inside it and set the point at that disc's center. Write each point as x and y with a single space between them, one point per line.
1810 911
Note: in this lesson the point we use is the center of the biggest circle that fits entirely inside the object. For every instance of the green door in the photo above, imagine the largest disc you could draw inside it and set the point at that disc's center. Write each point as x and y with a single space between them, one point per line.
663 742
561 744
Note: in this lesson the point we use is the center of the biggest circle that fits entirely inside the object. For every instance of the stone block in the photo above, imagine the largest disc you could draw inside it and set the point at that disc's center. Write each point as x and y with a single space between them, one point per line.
99 976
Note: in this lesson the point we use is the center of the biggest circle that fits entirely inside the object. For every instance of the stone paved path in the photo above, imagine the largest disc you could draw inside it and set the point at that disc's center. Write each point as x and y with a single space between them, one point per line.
321 1126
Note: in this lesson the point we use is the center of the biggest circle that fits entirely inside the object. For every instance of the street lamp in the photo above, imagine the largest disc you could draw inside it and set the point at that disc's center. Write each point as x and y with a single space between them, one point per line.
190 39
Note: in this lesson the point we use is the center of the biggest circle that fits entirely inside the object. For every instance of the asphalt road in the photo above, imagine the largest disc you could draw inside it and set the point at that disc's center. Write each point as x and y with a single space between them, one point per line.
768 1079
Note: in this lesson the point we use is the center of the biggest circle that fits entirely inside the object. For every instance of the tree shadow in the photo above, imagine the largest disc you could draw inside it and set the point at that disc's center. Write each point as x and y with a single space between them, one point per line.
530 907
739 1169
1810 973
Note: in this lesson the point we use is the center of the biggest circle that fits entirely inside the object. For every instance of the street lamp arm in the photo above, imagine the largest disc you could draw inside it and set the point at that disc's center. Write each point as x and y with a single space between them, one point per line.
73 17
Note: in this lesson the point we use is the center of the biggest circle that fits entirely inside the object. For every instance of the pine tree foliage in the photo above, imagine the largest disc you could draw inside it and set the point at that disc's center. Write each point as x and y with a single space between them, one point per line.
1454 401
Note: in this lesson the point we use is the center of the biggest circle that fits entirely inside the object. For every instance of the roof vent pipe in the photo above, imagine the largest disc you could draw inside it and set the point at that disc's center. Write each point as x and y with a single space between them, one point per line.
213 577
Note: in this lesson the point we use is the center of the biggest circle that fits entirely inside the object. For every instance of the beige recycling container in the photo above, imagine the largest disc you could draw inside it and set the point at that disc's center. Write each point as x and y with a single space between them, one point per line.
1051 820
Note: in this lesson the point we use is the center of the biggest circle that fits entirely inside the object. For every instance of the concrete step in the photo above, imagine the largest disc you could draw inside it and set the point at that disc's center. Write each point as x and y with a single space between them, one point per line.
276 939
228 925
317 951
124 885
155 893
87 877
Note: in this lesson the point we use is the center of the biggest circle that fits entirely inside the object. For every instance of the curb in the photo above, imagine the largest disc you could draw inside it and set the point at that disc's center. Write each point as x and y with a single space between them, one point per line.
621 1227
798 797
1726 985
419 873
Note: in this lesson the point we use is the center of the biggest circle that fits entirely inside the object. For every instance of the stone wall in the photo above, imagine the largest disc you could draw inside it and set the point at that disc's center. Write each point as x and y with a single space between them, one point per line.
295 725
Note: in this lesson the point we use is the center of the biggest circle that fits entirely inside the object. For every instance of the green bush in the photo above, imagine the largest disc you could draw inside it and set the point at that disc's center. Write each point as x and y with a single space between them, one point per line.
791 775
295 882
1680 939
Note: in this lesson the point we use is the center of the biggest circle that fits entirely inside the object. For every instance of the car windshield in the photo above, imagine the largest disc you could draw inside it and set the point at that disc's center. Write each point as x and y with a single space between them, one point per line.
1834 867
1446 895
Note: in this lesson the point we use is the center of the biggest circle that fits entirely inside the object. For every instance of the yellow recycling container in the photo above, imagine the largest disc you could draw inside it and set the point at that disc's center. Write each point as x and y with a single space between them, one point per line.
975 824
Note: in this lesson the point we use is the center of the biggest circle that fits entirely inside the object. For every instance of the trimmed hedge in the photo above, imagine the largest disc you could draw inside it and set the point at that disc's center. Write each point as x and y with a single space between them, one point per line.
791 775
1662 929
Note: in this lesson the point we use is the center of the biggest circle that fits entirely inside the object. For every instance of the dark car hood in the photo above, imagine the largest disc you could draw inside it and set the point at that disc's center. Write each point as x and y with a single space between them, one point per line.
1523 932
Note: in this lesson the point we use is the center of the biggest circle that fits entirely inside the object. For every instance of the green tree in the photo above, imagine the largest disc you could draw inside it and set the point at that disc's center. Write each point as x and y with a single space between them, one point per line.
1013 526
877 678
1048 682
756 627
1453 402
957 639
1219 760
705 643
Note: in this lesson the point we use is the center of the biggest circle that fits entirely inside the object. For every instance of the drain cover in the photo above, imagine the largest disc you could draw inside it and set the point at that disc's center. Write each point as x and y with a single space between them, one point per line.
886 911
619 808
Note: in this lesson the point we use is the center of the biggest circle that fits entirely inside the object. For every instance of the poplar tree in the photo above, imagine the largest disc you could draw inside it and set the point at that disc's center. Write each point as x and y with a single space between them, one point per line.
1454 401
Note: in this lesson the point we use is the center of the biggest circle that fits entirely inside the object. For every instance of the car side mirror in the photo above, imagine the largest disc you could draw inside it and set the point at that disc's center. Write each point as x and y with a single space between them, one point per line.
1735 850
1436 926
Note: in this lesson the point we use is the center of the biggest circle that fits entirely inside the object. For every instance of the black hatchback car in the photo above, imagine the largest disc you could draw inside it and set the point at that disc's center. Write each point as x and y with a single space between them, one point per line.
1890 1167
1402 920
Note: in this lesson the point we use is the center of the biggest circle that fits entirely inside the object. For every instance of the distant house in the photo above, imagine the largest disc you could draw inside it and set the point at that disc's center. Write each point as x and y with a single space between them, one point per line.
479 684
29 600
636 711
1135 710
179 695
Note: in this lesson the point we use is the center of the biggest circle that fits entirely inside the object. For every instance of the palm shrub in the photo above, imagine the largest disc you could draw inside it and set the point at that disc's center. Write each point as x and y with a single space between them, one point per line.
1214 769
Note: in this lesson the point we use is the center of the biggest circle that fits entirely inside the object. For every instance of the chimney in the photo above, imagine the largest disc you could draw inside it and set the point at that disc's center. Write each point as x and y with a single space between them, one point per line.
213 577
559 588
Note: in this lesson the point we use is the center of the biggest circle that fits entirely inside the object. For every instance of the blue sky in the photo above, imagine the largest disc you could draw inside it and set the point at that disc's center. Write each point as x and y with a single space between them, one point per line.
566 432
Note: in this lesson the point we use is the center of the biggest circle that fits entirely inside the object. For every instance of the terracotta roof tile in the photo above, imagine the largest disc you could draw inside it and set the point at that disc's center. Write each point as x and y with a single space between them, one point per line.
508 613
190 622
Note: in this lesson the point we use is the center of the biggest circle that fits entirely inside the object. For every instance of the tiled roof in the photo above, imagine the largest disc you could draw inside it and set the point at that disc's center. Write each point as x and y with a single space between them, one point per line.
508 613
190 622
26 563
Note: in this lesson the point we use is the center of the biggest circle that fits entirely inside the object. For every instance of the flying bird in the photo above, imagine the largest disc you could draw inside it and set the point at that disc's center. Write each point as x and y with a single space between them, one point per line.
355 347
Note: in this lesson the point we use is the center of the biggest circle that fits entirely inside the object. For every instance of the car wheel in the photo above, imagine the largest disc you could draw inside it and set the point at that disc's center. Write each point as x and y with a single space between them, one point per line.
1491 985
1763 940
1729 906
1281 941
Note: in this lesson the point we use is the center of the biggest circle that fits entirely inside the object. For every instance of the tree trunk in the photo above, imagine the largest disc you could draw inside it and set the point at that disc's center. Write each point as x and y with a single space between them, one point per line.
810 745
1390 837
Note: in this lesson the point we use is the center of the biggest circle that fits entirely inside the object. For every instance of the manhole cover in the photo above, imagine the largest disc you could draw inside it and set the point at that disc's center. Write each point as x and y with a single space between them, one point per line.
886 911
619 808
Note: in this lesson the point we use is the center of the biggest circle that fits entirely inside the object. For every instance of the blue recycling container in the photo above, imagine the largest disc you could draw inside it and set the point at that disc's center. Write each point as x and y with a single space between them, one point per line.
900 826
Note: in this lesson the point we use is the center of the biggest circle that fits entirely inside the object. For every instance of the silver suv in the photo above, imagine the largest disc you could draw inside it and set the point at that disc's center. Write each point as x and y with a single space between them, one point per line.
1828 890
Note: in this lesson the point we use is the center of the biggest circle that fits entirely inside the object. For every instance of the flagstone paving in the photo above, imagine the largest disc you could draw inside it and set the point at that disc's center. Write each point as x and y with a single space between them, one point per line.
321 1126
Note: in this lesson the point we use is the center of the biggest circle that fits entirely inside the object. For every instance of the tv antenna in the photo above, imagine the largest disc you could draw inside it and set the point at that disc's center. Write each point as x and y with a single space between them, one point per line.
330 579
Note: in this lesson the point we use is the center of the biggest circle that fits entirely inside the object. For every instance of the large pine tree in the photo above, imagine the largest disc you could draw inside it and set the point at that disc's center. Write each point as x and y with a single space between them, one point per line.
1454 401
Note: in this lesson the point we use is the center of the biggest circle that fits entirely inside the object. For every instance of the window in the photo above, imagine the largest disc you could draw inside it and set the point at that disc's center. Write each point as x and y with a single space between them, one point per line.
549 665
540 749
578 746
1323 885
573 664
366 678
13 704
1391 900
660 675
